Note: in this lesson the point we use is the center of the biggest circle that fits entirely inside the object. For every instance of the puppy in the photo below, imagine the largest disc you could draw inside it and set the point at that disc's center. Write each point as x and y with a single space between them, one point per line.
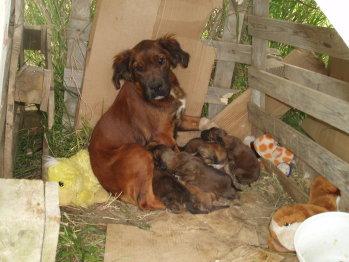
174 195
206 183
243 163
212 153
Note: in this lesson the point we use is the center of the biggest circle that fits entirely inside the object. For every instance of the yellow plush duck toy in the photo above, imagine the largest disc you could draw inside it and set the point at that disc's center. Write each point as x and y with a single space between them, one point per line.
78 186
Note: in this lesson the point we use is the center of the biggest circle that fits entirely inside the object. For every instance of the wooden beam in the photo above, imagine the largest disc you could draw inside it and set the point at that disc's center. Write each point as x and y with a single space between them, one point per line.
327 108
259 49
225 69
321 160
317 39
16 46
320 82
219 96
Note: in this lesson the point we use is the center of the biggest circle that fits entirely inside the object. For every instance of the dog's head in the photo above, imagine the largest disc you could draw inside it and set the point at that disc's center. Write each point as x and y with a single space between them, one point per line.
149 63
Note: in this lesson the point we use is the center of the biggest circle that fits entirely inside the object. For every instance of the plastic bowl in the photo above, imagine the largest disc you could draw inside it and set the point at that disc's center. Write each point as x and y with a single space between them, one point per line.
323 237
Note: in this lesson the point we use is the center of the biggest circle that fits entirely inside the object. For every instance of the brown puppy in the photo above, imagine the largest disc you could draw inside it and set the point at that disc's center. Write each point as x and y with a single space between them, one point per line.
206 183
213 154
176 197
144 111
243 163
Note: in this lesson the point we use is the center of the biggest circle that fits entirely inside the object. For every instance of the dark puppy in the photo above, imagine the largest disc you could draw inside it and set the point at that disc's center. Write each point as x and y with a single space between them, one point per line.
176 197
213 154
243 163
206 183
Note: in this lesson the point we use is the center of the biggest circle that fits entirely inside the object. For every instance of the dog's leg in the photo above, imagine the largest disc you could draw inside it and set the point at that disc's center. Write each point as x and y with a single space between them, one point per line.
193 123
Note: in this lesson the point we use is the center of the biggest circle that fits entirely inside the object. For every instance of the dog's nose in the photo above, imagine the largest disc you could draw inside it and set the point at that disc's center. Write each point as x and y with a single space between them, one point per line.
157 86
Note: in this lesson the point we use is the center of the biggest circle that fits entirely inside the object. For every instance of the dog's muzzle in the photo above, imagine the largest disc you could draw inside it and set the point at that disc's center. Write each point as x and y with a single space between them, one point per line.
157 90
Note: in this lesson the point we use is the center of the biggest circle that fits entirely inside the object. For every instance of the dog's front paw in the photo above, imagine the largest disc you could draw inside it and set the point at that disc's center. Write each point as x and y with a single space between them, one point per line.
206 123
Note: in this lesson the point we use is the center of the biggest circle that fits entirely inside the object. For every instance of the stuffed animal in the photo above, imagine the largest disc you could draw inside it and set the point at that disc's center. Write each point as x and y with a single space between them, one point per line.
267 148
78 186
285 221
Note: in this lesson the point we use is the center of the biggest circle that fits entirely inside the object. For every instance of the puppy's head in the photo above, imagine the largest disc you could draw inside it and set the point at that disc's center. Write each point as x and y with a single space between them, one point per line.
214 134
165 157
149 64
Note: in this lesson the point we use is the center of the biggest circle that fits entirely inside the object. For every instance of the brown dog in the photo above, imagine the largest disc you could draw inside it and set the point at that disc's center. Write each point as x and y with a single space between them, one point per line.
206 183
144 111
243 163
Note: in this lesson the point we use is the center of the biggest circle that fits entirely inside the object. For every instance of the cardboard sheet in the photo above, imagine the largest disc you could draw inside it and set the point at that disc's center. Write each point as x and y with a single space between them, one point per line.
118 25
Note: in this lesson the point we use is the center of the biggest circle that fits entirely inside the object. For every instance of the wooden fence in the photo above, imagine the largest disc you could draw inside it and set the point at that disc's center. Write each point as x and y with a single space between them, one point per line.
320 96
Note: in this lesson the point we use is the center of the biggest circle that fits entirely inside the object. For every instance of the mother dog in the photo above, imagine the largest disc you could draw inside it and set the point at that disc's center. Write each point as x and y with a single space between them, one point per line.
146 111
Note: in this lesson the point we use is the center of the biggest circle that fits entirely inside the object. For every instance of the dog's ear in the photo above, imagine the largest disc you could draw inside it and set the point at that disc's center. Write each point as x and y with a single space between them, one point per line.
121 67
177 54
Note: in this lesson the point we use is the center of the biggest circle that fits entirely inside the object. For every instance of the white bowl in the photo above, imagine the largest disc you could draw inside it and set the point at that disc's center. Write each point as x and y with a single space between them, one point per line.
323 237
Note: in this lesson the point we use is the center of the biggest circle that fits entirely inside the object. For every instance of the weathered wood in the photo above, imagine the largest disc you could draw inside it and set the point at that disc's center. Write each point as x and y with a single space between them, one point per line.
317 39
16 46
46 87
32 37
259 49
321 160
288 183
327 108
323 83
234 117
219 96
29 85
225 69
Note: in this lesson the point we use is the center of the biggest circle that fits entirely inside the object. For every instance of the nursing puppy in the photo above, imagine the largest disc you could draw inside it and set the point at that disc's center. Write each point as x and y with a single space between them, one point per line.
174 195
243 163
206 183
213 154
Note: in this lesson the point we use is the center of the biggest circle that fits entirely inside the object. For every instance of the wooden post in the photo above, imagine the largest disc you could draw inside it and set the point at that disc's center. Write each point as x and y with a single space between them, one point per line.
78 36
224 69
16 46
259 50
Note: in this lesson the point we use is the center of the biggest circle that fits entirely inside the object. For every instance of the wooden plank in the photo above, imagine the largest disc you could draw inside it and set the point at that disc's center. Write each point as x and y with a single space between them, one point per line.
233 52
29 85
338 68
46 87
259 49
225 69
321 160
178 17
327 108
22 220
316 81
288 183
327 136
317 39
16 46
220 96
233 118
300 58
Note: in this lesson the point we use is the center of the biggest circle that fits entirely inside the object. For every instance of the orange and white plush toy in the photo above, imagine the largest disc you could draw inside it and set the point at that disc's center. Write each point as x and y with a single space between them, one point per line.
285 221
267 148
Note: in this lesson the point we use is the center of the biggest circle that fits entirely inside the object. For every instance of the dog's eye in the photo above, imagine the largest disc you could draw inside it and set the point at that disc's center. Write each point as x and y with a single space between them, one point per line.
161 60
286 224
61 184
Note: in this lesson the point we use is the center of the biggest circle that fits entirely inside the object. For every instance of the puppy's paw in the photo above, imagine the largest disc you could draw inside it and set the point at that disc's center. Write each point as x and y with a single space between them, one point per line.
206 123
